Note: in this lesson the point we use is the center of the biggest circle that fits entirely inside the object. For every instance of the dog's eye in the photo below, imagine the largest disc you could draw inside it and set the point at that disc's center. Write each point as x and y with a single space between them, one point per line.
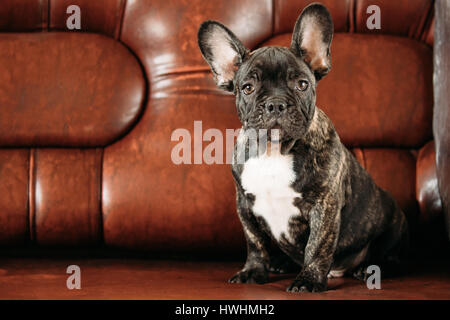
248 88
302 85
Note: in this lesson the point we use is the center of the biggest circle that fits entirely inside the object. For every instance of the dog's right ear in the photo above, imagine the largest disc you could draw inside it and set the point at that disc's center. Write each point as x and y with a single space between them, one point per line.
222 50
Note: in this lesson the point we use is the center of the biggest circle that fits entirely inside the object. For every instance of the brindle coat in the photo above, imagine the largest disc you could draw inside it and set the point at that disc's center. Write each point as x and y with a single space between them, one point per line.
345 222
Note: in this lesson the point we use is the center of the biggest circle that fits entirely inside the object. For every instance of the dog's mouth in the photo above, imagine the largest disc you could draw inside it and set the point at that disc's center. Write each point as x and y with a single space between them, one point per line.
276 136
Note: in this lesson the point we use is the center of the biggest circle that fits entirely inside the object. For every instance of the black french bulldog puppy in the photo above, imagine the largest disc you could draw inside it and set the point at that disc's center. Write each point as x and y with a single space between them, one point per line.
309 196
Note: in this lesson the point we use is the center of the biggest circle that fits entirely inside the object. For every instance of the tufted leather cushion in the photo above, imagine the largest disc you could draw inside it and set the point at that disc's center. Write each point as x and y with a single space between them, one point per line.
14 173
23 15
162 206
59 89
286 13
65 194
408 18
99 16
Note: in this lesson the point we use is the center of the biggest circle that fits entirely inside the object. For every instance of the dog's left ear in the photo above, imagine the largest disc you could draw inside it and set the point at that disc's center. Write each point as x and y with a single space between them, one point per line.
312 37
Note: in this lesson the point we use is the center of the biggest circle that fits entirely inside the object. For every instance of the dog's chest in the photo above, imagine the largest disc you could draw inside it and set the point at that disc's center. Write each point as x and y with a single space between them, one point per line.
269 179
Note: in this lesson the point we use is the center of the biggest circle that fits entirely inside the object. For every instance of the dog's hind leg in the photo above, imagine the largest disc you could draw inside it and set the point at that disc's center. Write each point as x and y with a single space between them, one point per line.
389 250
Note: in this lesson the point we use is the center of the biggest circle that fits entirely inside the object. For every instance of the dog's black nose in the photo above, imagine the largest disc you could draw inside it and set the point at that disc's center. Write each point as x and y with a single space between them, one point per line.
275 106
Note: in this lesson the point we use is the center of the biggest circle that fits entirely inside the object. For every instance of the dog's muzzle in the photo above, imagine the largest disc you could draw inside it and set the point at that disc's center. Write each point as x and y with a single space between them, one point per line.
275 107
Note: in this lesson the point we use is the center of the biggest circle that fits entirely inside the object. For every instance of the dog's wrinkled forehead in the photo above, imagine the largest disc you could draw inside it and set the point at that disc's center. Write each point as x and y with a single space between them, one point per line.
273 63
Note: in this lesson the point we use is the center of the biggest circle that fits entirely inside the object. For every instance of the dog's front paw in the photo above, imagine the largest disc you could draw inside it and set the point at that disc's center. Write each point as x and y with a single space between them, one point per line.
254 275
306 285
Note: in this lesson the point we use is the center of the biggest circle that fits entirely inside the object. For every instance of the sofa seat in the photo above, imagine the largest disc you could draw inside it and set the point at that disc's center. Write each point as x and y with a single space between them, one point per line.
26 278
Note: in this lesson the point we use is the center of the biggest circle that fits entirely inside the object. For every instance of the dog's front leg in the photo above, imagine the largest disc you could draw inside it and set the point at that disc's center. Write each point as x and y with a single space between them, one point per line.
256 267
319 251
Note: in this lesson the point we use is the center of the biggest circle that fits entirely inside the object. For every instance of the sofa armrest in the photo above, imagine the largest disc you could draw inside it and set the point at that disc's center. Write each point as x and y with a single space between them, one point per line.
427 191
441 113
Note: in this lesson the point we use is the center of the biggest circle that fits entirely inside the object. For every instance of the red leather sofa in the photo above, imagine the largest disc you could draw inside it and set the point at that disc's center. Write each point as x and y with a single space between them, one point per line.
86 118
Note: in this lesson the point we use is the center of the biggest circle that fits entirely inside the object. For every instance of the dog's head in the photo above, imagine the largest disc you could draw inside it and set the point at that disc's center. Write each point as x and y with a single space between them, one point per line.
275 87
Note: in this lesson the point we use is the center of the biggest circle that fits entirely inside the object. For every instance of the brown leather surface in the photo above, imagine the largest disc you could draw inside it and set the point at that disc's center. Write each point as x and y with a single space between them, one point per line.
149 279
393 170
13 196
60 89
149 202
368 103
99 16
286 13
23 15
441 119
66 185
401 17
427 191
163 33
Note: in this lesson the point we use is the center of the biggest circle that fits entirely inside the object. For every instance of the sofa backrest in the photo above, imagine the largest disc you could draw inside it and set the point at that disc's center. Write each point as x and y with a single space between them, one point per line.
86 119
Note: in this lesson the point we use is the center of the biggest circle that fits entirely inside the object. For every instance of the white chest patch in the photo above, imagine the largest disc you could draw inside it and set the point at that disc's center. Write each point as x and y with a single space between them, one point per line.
269 179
